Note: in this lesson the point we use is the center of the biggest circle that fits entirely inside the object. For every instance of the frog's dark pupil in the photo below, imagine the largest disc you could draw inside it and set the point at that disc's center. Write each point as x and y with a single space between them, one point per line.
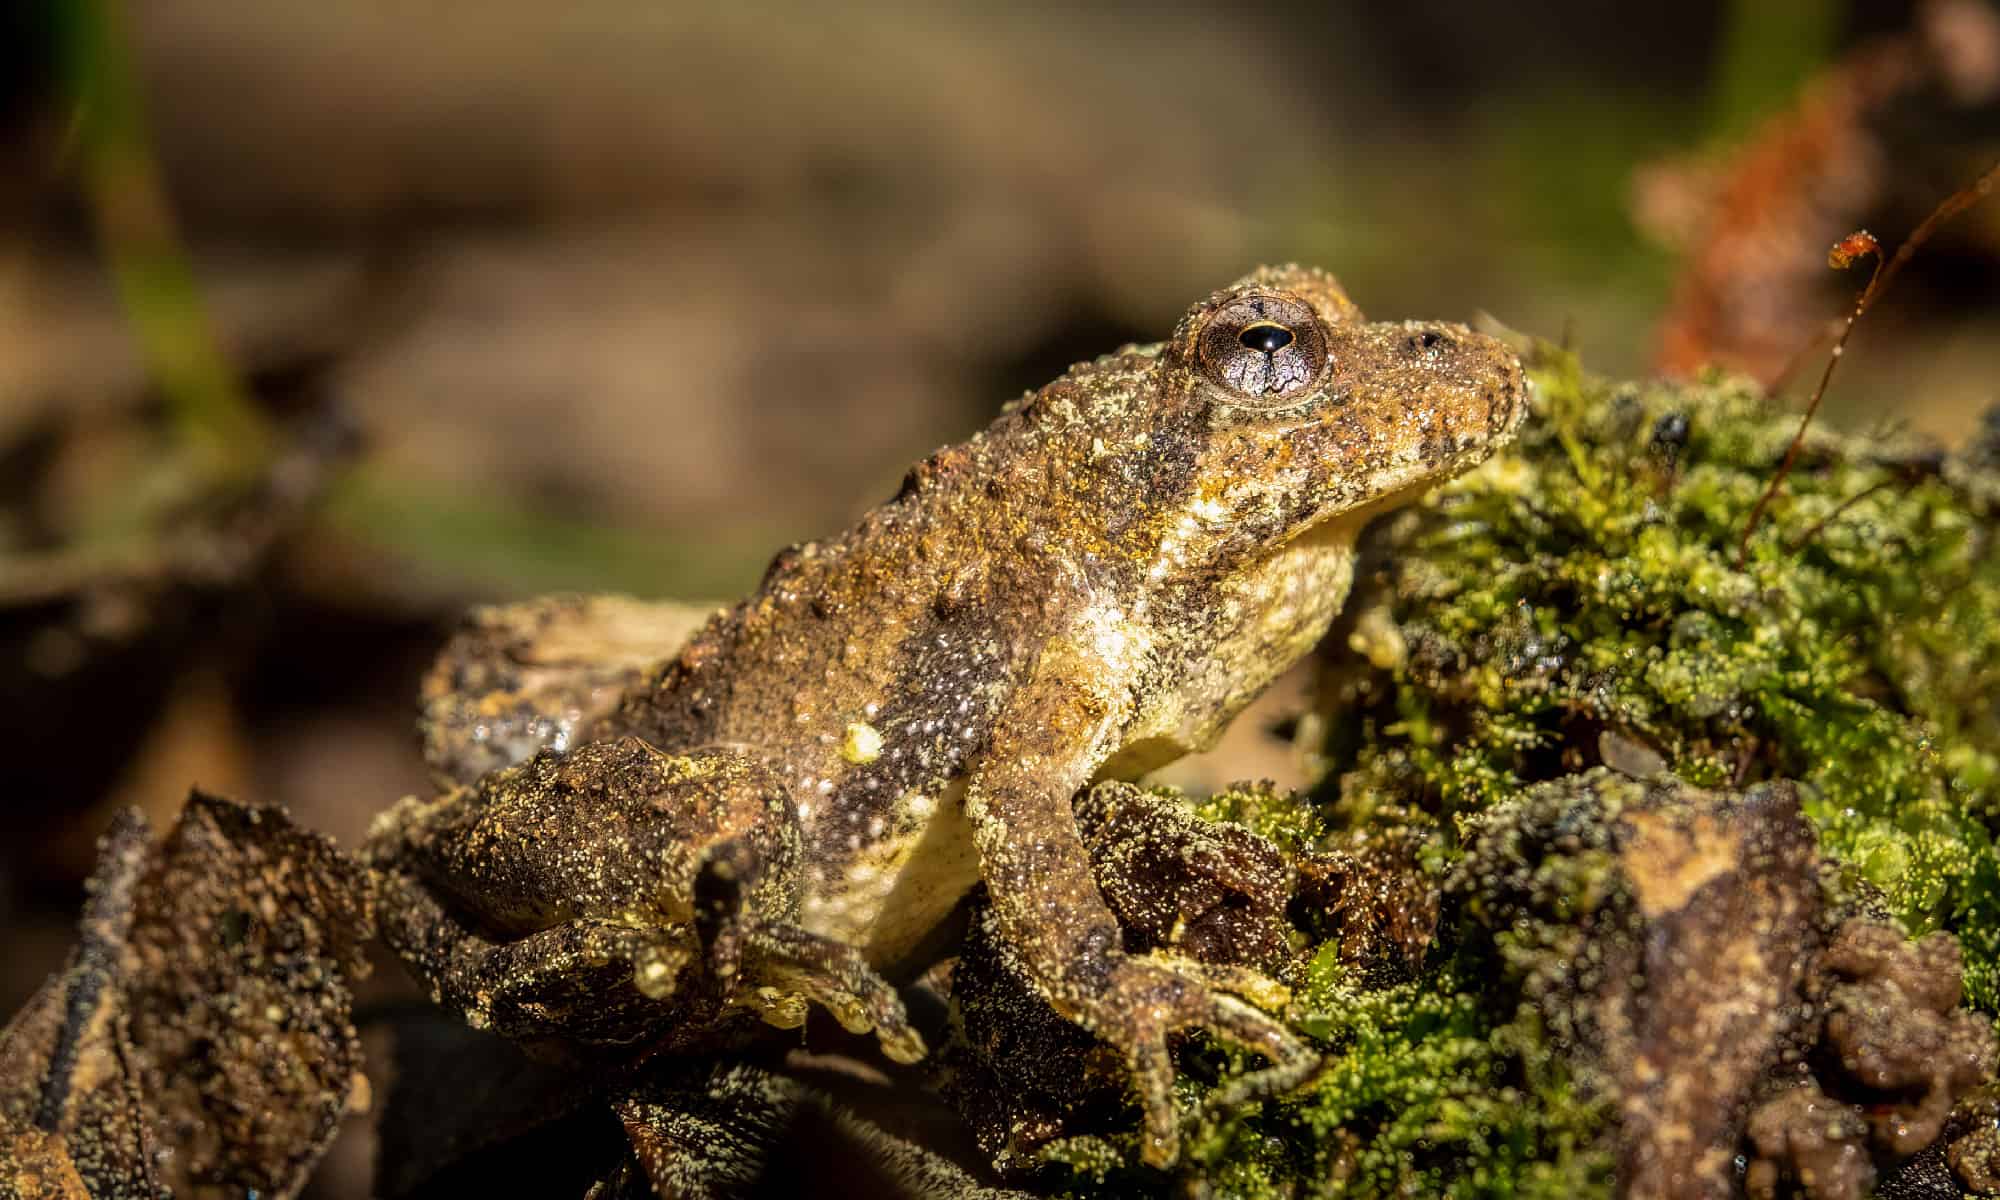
1266 337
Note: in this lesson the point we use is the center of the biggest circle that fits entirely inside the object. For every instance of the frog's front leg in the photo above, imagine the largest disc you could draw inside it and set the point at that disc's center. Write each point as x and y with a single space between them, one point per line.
1049 910
784 959
617 896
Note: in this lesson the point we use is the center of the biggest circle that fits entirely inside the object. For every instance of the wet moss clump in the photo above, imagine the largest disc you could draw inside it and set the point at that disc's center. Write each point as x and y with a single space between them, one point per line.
1439 1078
1430 1092
1580 601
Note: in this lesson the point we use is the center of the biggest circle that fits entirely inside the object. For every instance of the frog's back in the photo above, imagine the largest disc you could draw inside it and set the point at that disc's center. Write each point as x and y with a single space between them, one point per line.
872 666
869 666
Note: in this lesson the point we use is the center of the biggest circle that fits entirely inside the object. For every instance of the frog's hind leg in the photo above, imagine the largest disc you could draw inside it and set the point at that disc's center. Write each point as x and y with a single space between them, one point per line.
590 895
739 1129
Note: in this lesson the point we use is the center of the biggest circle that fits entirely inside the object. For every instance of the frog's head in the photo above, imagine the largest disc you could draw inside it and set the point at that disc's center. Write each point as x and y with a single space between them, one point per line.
1298 416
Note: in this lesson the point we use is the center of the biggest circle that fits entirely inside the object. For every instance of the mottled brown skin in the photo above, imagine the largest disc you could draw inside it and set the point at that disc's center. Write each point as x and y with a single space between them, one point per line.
738 1130
1089 588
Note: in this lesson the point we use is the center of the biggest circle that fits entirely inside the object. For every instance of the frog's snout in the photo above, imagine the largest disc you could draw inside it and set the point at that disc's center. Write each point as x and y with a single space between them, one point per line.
1481 363
1505 390
1509 404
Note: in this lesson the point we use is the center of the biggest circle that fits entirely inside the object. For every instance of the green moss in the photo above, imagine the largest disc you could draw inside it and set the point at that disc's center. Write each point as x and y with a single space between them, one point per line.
1268 812
1587 584
1428 1094
1424 1093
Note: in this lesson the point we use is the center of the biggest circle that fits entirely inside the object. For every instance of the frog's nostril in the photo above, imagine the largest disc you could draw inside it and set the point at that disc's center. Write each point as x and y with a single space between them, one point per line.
1431 339
1509 404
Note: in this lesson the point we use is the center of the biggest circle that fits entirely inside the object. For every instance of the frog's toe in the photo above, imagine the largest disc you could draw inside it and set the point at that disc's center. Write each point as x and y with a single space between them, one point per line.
1155 998
1236 980
1153 1079
885 1014
836 976
1292 1060
901 1043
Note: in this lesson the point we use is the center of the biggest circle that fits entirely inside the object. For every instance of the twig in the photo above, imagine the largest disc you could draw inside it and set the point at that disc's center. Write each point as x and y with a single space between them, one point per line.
1843 255
1805 539
1745 761
97 966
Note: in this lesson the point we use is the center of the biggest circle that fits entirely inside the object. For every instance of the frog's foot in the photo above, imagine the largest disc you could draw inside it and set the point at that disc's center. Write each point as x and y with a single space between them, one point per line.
774 967
1247 983
834 976
1145 1000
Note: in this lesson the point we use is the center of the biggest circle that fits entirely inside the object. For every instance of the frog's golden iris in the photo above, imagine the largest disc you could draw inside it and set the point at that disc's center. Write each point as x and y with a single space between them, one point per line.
1264 346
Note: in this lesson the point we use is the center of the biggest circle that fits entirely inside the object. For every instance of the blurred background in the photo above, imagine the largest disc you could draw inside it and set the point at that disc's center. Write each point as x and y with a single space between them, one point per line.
321 321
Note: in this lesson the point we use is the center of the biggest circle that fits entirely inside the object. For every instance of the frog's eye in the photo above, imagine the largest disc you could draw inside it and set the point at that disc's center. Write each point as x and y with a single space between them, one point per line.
1265 347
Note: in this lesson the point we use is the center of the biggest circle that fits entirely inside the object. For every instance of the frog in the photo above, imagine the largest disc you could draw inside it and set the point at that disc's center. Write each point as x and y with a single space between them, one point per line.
784 812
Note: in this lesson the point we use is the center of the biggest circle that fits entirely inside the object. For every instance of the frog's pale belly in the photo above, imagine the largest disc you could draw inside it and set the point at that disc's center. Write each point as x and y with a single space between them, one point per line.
902 885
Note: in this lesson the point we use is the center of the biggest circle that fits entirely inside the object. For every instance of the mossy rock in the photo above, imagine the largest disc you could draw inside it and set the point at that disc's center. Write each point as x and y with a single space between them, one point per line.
1582 598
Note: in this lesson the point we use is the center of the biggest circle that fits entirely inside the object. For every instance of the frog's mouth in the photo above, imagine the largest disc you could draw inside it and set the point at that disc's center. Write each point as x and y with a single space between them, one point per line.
1338 528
